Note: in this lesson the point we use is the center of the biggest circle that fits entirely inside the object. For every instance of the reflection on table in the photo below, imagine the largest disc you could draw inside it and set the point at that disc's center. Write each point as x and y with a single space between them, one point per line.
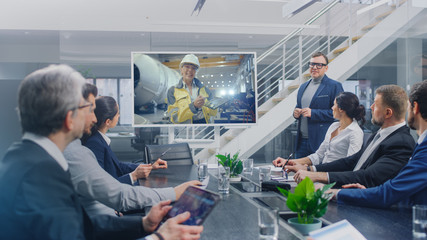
235 217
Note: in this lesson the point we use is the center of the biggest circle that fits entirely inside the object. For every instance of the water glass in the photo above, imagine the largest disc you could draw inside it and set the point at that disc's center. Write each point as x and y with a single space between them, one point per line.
202 171
419 222
268 223
276 172
264 174
223 179
248 165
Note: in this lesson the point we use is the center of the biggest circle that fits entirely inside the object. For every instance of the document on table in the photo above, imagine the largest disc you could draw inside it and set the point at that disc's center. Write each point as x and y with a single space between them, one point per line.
283 179
339 230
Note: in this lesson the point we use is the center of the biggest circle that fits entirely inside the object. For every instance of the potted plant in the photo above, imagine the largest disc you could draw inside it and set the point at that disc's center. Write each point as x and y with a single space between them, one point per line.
234 163
308 204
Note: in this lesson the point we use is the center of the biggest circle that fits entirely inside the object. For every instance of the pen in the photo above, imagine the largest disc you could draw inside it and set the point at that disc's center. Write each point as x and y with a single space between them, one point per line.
161 155
283 167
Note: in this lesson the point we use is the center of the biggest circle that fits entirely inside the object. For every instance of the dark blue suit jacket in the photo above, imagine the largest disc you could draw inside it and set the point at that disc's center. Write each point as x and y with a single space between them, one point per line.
409 187
321 112
38 201
108 160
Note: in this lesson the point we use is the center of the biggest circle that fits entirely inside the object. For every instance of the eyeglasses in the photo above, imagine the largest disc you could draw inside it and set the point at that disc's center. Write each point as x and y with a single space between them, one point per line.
85 106
316 65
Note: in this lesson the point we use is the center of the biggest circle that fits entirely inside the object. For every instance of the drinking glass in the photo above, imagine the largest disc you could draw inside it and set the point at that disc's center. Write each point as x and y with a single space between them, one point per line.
268 223
419 222
202 171
248 165
264 174
223 179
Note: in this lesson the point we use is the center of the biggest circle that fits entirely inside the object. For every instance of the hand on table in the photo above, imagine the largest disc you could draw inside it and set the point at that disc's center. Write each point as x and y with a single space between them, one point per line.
160 164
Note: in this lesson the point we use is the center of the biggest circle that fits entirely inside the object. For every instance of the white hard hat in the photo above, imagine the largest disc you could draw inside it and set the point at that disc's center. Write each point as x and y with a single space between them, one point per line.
190 58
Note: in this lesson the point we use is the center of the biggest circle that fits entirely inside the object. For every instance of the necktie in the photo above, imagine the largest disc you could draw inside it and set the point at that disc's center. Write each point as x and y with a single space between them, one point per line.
369 149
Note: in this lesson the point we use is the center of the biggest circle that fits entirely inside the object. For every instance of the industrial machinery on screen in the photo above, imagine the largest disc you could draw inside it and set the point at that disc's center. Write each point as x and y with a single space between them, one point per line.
194 88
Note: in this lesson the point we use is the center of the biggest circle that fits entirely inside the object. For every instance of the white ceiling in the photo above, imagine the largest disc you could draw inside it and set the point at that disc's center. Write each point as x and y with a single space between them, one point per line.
104 32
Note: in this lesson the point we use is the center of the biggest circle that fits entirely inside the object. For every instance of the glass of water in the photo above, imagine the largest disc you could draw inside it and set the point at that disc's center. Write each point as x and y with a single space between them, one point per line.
223 179
419 222
264 174
268 223
248 165
202 171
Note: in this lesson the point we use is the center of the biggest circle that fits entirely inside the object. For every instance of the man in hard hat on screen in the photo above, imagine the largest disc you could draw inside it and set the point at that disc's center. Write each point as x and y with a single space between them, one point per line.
186 100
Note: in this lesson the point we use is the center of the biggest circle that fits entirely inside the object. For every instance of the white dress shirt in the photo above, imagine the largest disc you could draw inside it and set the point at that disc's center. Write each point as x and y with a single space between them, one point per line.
348 142
383 133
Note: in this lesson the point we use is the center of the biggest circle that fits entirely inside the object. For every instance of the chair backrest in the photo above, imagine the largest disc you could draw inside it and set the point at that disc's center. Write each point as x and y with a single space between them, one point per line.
174 154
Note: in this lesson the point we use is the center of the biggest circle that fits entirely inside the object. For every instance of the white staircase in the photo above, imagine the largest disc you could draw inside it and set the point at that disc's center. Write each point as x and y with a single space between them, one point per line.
278 108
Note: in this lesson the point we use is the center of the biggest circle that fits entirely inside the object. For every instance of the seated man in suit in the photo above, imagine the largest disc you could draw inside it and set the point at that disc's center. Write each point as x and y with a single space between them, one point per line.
99 192
409 187
38 200
385 153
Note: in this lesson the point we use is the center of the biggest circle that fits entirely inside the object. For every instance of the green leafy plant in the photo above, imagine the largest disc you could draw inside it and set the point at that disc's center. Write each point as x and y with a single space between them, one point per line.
234 163
309 204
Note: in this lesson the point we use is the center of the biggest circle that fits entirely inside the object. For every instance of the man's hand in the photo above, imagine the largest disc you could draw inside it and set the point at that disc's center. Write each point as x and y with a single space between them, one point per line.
354 185
181 188
297 112
314 176
156 214
294 166
199 101
278 162
142 171
160 164
173 229
306 112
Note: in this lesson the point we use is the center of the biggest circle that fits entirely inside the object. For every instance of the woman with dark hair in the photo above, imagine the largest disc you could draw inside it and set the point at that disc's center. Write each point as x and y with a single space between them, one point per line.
343 138
107 114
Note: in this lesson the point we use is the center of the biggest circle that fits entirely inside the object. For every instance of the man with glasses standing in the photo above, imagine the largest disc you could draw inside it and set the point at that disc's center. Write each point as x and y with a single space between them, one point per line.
314 102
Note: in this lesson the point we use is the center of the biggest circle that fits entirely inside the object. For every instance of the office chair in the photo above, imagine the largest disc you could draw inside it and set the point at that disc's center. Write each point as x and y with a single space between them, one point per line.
174 154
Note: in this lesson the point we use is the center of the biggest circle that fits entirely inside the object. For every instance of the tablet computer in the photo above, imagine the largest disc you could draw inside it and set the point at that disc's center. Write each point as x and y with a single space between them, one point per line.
199 202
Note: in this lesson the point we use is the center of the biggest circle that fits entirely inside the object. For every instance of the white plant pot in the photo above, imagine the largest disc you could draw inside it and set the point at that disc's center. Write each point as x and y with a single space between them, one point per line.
305 228
235 179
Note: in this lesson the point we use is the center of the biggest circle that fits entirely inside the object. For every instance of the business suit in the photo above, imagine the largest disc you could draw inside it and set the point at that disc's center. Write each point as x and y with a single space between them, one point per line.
108 160
38 201
321 112
96 187
409 187
384 162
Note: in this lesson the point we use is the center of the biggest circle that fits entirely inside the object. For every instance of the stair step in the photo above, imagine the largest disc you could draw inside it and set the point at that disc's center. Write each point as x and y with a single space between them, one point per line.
355 38
400 3
293 87
384 15
260 113
229 137
340 50
277 100
211 151
370 26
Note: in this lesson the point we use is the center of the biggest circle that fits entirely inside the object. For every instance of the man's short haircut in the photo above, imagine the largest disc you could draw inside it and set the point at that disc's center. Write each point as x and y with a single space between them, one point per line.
320 54
89 89
46 95
395 98
419 94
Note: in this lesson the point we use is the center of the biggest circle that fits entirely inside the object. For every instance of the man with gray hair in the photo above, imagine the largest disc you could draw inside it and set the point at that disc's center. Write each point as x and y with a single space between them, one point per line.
38 200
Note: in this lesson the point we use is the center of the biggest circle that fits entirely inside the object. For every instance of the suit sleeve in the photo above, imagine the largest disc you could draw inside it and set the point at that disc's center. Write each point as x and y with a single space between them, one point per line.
111 227
390 161
343 164
93 182
325 115
408 182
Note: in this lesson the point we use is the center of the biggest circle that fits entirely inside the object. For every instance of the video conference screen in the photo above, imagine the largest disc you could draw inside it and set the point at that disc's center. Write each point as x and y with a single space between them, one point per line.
194 88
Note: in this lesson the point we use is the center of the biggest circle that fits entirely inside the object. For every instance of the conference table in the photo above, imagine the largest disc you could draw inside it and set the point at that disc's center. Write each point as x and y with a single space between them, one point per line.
236 215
